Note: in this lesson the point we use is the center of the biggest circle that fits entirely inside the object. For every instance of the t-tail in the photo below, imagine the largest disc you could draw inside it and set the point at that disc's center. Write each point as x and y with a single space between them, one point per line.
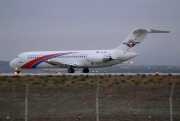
133 41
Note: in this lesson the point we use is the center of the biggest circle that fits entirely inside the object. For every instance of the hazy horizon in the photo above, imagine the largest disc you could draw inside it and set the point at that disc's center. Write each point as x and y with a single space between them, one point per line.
84 25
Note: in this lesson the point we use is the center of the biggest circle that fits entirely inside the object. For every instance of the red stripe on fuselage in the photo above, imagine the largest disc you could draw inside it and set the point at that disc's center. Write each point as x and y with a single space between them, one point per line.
29 64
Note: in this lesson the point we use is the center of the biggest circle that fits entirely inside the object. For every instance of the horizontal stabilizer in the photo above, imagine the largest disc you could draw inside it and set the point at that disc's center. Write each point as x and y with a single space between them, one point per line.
156 31
149 31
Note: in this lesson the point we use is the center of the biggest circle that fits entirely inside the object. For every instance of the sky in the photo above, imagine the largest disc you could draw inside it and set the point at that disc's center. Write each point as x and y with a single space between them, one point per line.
43 25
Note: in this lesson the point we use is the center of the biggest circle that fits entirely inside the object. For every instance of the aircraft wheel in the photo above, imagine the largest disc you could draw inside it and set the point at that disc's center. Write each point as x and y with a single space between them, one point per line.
71 70
85 70
17 72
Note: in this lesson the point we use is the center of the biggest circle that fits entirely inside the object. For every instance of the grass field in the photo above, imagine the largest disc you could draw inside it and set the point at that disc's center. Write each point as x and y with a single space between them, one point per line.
62 98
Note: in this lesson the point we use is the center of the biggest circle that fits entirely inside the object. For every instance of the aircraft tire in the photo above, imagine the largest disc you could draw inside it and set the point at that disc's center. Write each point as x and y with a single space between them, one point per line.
17 72
85 70
71 70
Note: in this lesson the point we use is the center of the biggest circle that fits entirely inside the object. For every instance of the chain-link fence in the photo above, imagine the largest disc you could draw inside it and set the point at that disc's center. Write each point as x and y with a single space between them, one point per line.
119 100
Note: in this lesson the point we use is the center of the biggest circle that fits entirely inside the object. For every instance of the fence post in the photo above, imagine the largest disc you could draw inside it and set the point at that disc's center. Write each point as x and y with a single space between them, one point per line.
97 102
26 101
170 99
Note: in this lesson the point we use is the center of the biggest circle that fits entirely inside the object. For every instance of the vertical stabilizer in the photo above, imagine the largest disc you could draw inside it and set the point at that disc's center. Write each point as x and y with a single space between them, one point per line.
133 41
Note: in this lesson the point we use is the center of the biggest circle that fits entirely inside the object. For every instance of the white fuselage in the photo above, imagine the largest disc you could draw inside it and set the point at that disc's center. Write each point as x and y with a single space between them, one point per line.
77 59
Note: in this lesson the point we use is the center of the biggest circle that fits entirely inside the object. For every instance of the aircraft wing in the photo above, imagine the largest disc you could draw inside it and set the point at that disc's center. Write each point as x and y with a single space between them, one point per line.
55 63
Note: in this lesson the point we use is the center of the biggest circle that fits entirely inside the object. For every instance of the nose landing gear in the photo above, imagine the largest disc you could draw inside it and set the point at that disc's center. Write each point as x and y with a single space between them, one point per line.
17 72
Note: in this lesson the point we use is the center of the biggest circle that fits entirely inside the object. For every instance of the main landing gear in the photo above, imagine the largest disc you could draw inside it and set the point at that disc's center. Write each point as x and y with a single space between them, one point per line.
85 70
71 70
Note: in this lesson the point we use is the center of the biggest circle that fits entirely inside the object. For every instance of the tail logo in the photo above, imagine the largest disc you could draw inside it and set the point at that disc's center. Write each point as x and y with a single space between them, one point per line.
131 43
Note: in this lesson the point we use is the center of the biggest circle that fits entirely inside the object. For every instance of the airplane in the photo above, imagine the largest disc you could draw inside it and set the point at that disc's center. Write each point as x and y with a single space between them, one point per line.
83 58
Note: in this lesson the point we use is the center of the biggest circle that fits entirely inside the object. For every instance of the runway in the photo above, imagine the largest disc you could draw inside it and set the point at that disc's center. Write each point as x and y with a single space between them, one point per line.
92 74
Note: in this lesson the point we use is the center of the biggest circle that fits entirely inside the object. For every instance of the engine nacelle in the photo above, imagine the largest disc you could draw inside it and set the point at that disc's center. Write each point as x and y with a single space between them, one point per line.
98 58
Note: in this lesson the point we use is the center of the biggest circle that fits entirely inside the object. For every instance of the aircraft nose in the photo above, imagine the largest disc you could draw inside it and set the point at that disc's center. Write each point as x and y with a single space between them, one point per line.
12 63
